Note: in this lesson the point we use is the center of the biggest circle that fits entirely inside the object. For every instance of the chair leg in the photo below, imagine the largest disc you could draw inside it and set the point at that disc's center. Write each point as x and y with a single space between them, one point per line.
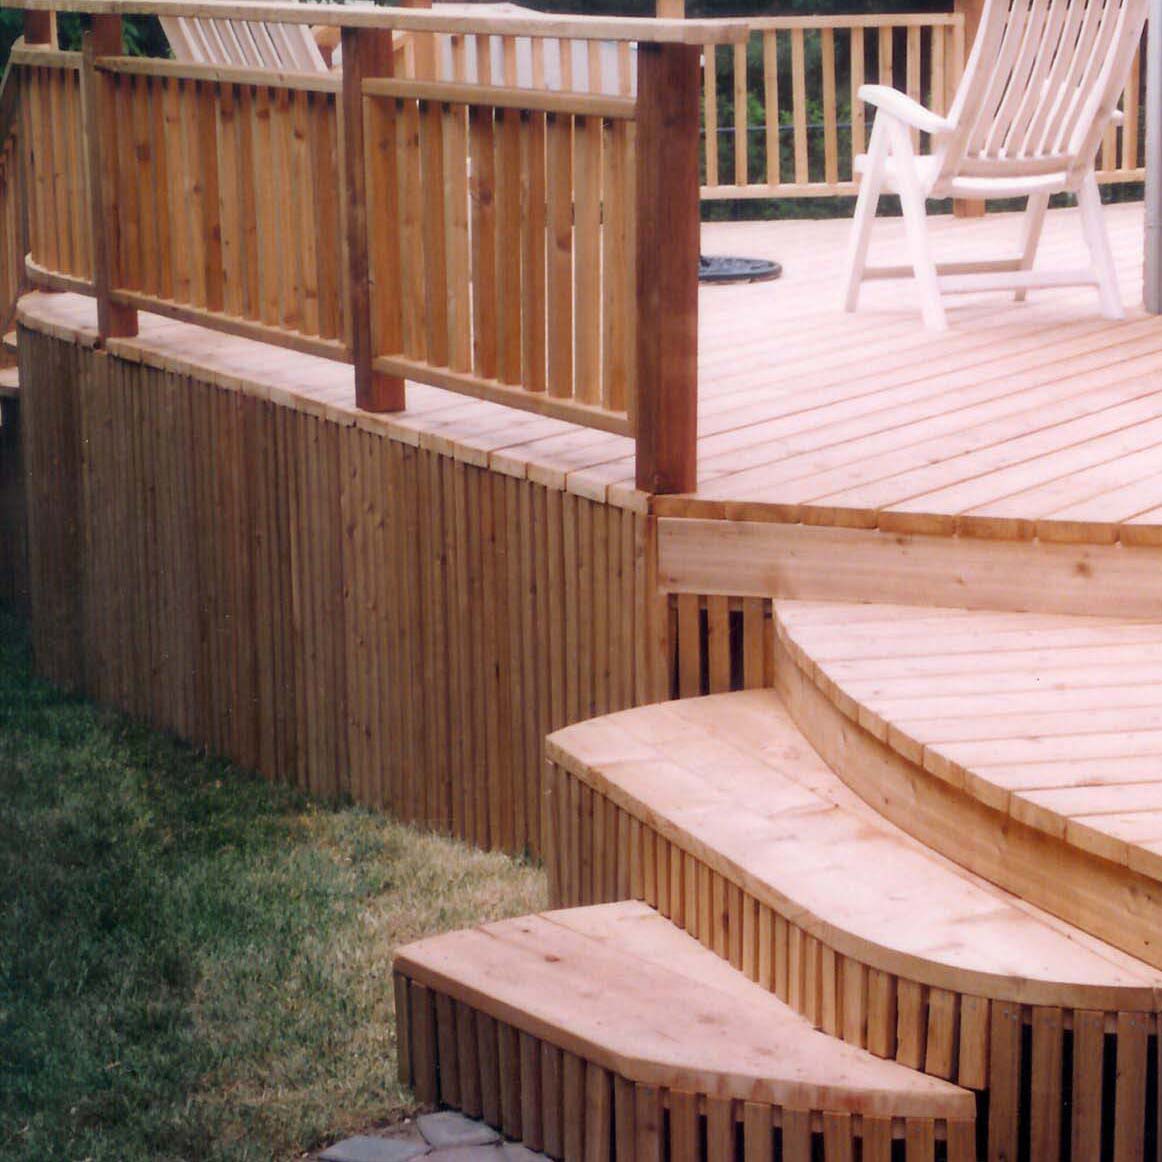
1031 235
865 215
916 224
1096 238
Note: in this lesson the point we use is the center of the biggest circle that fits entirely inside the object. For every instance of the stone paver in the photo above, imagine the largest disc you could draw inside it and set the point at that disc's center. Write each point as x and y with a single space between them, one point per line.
448 1130
445 1136
366 1149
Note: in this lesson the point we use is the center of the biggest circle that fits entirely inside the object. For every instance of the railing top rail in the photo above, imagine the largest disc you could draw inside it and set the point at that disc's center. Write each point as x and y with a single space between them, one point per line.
867 20
462 21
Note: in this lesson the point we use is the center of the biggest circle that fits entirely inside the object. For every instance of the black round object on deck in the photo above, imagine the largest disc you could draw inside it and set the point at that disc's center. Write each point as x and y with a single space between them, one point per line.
721 268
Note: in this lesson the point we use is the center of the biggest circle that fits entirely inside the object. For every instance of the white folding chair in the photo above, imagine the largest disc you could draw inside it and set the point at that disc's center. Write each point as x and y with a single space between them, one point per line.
1040 89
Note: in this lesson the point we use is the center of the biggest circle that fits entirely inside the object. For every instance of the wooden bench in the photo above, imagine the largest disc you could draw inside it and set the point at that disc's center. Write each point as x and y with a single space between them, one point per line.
719 813
606 1032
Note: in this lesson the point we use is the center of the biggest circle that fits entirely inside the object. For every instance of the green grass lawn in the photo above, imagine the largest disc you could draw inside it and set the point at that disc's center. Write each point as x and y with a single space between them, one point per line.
195 964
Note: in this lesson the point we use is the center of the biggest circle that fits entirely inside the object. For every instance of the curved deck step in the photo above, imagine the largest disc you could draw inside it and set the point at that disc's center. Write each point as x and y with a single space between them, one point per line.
1026 747
717 811
574 1030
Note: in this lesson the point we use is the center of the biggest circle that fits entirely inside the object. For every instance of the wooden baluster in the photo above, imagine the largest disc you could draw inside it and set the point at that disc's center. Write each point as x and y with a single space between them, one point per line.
99 118
741 134
666 415
367 52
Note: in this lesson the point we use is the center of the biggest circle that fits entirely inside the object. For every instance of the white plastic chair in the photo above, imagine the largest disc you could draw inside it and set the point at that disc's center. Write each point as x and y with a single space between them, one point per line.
244 43
1039 91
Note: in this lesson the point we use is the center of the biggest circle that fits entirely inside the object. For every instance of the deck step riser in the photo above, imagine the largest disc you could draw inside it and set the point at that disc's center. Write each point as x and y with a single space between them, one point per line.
575 1110
604 852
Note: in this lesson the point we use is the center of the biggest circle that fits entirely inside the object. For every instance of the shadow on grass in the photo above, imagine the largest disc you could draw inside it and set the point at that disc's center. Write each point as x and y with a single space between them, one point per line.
195 963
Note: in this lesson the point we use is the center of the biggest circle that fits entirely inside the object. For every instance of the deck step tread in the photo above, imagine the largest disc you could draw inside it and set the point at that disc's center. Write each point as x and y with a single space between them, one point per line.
731 778
619 985
1054 721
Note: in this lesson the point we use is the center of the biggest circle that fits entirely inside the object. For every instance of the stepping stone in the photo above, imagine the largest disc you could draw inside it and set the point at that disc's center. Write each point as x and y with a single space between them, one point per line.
367 1149
451 1130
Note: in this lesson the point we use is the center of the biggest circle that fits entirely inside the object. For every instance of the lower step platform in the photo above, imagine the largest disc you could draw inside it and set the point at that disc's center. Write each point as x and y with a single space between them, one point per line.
718 812
606 1033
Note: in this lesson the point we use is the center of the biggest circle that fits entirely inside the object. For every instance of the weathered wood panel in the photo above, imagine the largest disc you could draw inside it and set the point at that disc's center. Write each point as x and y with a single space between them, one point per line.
324 603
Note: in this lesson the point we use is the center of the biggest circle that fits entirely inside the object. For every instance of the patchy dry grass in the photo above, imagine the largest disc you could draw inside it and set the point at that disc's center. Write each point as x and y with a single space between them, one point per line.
195 964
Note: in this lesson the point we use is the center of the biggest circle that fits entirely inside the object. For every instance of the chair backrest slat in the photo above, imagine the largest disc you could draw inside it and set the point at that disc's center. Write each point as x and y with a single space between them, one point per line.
1040 84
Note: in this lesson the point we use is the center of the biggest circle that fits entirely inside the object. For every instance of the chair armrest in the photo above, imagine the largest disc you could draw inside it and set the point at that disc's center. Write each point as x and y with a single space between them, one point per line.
903 108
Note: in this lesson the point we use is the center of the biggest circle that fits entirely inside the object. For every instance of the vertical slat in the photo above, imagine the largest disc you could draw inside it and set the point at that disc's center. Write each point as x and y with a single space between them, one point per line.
799 104
624 1118
1131 107
796 1135
482 186
488 1057
508 1059
710 112
448 1050
881 1013
648 1124
837 1137
211 223
1045 1111
1004 1079
830 122
771 104
920 1141
685 1145
911 1024
403 1018
560 260
858 113
573 1103
877 1140
413 209
1088 1053
617 268
469 1062
532 219
974 1042
587 141
741 135
758 1140
531 1108
435 243
423 1041
552 1100
458 249
508 243
719 1129
1130 1094
940 1049
598 1114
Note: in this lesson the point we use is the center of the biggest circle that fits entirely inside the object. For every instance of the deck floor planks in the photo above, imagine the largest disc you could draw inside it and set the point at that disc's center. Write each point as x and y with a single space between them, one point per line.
1071 749
1022 420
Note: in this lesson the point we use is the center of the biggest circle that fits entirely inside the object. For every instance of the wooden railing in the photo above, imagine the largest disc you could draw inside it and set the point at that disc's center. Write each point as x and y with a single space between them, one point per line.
780 113
520 278
512 230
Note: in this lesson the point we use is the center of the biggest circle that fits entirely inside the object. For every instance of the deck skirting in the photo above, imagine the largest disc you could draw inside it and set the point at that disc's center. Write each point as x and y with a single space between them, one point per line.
328 605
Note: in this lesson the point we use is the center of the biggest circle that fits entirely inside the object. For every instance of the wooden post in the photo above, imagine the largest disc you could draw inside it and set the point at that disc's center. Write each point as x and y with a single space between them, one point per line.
972 10
670 10
667 267
366 53
99 118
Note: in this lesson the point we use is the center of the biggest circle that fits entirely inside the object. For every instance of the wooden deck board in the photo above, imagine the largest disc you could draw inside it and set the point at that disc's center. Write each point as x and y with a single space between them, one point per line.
1038 419
1030 714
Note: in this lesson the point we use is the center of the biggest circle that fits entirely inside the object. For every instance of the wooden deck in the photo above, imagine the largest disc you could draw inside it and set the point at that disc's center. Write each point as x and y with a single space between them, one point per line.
1041 419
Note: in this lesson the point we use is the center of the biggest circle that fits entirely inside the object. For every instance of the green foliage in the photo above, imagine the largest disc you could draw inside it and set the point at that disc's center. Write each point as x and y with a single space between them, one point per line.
194 964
